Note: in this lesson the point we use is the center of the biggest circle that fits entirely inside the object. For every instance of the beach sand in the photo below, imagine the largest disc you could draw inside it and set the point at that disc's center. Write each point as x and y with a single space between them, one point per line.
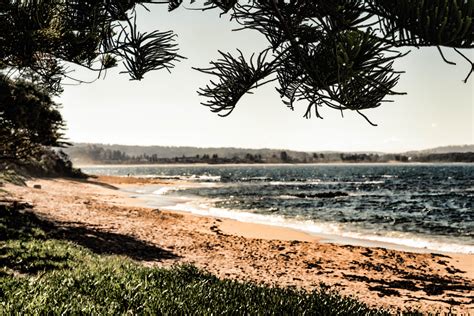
95 214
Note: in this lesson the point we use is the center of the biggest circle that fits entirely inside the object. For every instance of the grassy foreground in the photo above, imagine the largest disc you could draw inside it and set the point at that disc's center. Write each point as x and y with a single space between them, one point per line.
41 274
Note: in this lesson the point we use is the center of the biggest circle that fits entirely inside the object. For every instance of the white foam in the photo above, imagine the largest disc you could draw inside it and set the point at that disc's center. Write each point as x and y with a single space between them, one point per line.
290 183
287 197
164 190
295 183
252 179
274 220
319 182
333 232
412 242
206 178
364 182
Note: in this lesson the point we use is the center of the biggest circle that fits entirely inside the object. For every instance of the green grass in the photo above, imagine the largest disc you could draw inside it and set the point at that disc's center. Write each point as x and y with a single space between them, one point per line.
40 274
10 176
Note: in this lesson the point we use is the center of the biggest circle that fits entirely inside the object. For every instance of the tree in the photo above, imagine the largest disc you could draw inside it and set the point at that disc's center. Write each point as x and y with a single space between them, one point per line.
48 34
337 53
29 120
38 38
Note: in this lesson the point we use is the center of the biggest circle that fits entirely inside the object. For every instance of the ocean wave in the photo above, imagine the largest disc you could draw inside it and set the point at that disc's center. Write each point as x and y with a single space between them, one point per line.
285 183
152 177
320 182
334 232
165 190
252 179
418 206
412 241
286 197
182 187
274 220
364 182
193 177
299 182
204 178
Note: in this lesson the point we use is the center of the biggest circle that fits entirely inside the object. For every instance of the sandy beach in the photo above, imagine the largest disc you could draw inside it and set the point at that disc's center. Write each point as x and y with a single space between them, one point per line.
97 214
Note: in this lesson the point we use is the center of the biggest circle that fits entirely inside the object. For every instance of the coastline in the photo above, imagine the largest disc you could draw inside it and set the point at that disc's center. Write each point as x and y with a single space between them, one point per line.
314 230
98 165
256 252
268 231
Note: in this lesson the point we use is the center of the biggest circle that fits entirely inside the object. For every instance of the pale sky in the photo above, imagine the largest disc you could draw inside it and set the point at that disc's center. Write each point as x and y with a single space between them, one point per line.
164 109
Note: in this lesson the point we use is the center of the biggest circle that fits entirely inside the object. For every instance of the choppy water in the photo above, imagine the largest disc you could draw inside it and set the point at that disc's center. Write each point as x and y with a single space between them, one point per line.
426 206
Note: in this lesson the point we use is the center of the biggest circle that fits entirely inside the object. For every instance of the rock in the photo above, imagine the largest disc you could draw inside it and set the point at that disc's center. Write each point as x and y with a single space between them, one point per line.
36 186
321 195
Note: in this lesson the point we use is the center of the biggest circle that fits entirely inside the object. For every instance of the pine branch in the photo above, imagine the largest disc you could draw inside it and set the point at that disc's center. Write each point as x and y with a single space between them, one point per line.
236 78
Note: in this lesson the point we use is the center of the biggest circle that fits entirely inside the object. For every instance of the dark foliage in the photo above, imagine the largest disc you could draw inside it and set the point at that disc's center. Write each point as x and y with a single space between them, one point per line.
337 54
236 78
93 34
29 120
50 163
30 124
418 23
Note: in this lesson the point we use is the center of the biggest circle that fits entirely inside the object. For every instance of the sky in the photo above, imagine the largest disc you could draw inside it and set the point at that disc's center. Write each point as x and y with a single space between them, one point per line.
164 108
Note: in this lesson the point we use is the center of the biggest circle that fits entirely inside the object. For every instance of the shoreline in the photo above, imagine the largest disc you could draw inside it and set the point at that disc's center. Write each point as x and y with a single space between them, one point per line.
257 230
363 241
254 252
155 200
391 163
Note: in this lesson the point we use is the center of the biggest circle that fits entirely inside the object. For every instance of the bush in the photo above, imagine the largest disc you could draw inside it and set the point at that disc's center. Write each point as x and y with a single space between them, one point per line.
46 163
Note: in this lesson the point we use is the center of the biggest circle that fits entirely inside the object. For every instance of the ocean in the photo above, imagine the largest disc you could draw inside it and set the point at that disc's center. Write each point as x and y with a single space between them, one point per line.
421 206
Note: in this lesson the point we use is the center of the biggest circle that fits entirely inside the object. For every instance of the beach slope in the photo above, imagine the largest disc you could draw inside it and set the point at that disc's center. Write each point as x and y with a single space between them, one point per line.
97 214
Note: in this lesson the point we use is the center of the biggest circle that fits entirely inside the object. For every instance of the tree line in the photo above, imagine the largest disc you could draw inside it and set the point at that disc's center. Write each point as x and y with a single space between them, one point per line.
99 155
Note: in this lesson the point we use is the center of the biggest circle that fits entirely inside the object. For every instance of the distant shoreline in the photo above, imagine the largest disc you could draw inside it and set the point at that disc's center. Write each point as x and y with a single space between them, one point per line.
392 163
122 154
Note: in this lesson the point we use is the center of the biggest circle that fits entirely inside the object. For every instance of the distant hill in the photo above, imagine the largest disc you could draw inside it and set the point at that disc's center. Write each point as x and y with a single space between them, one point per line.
80 151
443 150
85 153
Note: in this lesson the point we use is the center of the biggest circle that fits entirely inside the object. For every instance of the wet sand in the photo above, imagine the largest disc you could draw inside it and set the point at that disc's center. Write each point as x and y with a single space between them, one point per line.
97 215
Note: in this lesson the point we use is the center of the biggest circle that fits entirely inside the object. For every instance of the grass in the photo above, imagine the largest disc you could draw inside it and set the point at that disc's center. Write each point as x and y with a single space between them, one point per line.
41 274
10 176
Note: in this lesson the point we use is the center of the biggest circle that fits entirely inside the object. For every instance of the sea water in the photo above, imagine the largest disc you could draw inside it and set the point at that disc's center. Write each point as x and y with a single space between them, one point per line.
425 206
